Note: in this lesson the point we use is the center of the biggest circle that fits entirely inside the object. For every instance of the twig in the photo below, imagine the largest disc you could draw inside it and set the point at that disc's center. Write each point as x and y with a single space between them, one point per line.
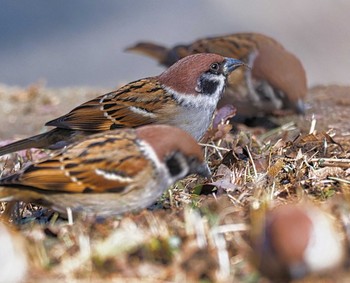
339 180
286 127
345 162
342 160
313 124
253 164
234 199
214 146
70 216
220 242
237 227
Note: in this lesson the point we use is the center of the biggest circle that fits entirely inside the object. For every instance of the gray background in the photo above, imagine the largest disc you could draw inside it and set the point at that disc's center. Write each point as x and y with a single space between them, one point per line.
81 42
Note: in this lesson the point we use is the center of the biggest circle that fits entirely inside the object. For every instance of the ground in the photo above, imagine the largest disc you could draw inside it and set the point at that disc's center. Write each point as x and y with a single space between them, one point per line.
199 230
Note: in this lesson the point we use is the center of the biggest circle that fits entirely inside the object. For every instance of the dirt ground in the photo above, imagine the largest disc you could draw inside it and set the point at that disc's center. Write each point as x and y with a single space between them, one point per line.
162 245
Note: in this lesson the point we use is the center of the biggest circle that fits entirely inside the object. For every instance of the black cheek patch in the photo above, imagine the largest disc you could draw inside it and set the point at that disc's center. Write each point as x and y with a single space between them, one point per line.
174 166
208 87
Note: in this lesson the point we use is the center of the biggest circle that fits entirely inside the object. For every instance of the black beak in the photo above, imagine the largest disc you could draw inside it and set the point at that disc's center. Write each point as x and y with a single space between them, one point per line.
232 64
300 107
201 169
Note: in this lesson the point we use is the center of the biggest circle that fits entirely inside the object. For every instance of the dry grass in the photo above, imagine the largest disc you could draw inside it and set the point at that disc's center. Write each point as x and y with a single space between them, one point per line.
200 229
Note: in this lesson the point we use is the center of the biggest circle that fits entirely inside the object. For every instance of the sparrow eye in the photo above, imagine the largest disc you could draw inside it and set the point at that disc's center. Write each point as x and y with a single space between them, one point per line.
214 67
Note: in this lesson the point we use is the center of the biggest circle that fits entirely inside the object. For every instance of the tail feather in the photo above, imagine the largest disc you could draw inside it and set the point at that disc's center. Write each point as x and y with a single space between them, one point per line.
54 139
10 192
32 142
150 49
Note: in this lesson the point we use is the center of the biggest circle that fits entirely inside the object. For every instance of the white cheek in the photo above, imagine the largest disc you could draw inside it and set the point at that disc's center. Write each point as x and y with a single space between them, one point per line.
325 249
161 172
199 100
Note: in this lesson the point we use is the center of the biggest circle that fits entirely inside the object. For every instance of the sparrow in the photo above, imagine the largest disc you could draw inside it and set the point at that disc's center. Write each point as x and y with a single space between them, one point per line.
296 240
275 85
185 96
109 173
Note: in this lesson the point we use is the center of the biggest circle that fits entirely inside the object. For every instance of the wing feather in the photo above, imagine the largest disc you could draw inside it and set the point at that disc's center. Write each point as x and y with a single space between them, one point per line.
133 105
105 163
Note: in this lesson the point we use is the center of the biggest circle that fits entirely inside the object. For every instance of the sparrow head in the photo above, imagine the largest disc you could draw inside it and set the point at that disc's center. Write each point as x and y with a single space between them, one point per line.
293 241
177 149
199 75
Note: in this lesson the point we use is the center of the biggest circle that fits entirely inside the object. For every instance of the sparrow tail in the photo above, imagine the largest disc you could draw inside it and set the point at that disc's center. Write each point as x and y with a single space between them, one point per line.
54 139
150 49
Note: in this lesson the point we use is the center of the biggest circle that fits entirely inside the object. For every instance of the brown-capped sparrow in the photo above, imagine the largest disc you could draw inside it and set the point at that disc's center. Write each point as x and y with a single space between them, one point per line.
296 240
185 96
110 172
276 83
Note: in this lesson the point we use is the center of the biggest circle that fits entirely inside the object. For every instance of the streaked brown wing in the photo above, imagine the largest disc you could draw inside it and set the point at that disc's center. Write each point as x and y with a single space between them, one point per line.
105 163
238 46
229 46
133 105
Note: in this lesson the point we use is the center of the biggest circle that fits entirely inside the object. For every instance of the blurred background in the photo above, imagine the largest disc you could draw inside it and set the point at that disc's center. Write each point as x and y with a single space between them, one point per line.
81 43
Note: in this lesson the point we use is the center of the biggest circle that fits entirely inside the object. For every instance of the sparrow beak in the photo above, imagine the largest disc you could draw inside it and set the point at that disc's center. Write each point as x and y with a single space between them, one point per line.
300 107
202 170
232 64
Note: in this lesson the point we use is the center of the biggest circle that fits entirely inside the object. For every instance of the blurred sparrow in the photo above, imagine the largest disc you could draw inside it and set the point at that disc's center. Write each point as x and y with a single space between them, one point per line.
185 96
276 82
296 240
109 173
13 260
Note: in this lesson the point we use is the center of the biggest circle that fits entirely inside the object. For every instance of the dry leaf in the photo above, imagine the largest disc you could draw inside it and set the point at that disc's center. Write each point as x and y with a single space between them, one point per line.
223 114
222 131
276 168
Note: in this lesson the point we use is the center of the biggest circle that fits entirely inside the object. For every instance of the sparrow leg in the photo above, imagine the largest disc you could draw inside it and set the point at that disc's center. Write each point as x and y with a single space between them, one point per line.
272 98
253 95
